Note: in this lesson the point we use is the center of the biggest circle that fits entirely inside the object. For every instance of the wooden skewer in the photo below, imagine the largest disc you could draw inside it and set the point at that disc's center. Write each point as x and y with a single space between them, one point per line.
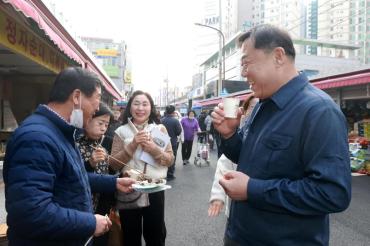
120 162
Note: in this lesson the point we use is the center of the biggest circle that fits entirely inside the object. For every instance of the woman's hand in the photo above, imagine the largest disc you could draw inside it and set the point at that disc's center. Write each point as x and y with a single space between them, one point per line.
215 208
149 145
98 155
140 138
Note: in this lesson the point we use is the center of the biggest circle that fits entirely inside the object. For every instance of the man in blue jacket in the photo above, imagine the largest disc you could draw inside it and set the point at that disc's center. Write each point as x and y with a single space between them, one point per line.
174 130
292 154
47 189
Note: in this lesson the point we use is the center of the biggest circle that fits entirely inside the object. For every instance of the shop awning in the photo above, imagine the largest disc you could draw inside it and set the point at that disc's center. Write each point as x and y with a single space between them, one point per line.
209 102
29 11
357 79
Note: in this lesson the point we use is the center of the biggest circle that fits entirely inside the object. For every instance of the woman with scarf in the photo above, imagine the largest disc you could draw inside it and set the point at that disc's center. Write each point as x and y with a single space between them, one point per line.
146 215
94 156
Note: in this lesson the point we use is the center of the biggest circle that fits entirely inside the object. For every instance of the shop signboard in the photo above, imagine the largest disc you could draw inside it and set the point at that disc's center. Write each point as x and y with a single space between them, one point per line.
127 76
22 40
112 71
106 52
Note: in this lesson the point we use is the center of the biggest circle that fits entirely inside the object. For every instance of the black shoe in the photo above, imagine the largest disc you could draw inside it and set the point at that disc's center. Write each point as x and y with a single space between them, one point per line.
185 162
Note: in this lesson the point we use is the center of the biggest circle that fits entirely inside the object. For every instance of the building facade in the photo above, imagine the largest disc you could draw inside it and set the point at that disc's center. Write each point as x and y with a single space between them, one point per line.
359 27
334 30
111 56
311 26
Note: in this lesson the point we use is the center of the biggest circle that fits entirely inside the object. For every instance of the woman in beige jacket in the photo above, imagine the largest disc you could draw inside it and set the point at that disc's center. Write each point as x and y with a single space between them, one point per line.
130 140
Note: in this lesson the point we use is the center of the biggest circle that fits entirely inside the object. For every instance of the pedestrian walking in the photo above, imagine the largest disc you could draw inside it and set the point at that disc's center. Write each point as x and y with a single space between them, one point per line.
190 126
293 161
174 130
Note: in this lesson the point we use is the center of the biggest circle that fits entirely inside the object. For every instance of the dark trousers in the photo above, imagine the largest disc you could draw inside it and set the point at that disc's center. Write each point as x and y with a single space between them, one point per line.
103 208
171 169
148 222
217 139
229 242
186 148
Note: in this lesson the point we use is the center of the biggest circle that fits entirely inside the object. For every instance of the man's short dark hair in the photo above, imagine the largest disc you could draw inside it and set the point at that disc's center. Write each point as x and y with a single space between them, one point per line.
73 78
170 109
267 37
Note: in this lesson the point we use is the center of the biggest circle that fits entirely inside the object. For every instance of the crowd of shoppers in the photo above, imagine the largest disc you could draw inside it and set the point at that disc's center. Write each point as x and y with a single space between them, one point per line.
174 130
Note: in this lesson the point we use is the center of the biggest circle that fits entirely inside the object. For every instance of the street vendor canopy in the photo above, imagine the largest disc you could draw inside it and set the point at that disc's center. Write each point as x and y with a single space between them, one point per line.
342 80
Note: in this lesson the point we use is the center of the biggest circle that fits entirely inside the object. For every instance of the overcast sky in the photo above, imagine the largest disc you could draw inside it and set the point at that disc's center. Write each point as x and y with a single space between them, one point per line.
160 34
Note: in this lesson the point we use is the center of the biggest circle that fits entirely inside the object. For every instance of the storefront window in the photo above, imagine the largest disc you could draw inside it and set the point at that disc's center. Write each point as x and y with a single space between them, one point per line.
7 120
356 111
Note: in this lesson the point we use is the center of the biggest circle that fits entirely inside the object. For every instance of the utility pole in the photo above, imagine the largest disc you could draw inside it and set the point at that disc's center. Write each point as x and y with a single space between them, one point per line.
174 95
221 57
166 81
160 96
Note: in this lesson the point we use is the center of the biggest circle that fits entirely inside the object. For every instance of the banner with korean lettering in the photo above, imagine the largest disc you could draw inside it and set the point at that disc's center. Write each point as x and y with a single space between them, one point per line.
22 40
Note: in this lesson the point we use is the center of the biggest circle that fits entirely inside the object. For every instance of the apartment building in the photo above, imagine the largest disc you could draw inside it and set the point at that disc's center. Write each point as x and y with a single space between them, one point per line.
333 26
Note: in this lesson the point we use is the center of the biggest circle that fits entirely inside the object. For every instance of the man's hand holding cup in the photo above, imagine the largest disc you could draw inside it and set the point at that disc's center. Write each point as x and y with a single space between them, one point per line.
226 117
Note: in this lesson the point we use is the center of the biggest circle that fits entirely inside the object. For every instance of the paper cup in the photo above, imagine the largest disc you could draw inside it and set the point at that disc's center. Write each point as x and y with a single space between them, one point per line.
231 106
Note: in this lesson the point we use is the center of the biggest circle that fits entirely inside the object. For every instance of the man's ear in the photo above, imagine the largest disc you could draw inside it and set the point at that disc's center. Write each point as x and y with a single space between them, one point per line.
279 56
76 94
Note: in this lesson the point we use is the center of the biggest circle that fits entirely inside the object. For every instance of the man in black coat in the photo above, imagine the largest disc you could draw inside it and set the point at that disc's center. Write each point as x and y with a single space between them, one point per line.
174 130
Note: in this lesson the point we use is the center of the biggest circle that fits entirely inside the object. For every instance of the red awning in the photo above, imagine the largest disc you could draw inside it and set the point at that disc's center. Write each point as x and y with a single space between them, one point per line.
357 79
209 102
30 12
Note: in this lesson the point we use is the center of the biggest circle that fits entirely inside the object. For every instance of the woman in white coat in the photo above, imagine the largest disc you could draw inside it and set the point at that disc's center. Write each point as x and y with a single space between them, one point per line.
218 198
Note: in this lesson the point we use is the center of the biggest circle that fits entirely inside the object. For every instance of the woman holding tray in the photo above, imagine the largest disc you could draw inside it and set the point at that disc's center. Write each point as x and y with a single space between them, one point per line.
141 213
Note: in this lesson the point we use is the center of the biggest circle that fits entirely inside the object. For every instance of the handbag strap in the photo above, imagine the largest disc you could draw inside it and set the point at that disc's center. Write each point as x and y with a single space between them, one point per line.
130 201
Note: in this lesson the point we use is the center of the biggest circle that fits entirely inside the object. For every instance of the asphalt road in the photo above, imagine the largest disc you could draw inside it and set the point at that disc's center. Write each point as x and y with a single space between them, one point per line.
187 203
186 207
